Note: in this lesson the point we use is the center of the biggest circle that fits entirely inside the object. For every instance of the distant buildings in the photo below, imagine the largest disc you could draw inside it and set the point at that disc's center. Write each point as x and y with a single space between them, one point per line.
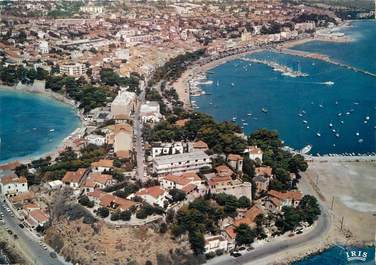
123 140
160 149
13 185
236 162
102 165
124 104
275 200
180 163
254 153
92 9
73 179
43 47
230 186
215 243
153 195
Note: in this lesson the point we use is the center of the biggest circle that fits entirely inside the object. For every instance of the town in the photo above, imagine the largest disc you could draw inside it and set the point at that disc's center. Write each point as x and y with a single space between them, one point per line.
147 179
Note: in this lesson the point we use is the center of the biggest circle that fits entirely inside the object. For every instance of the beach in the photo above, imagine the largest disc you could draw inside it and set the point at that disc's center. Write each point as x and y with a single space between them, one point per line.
69 140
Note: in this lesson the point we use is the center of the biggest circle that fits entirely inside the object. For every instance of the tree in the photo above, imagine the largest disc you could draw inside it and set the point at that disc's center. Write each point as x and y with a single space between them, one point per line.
310 208
125 215
103 212
163 228
297 163
177 195
197 242
85 201
244 202
244 235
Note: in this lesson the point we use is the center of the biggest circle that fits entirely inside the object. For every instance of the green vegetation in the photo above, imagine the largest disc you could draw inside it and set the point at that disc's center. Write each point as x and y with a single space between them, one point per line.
282 162
103 212
124 216
174 68
219 136
307 211
230 203
85 201
110 78
177 195
65 9
244 235
147 210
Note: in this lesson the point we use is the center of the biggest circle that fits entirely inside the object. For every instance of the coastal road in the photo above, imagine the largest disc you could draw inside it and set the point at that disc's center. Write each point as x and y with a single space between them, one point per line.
28 241
140 152
272 249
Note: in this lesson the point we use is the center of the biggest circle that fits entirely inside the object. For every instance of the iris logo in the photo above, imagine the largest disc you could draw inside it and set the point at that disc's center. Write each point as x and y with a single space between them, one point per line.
356 255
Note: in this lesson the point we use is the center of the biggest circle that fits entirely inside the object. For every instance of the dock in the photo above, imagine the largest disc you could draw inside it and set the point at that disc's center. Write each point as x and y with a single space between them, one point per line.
324 58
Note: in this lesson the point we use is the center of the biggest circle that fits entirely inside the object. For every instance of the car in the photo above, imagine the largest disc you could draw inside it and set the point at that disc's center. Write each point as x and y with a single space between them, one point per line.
53 255
44 247
15 236
9 232
21 225
250 248
241 248
299 232
236 254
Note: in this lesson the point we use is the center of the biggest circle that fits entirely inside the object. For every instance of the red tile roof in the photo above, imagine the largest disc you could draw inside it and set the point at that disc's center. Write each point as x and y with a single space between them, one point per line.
224 170
291 195
154 191
74 176
200 145
265 171
38 215
234 157
103 163
12 179
249 217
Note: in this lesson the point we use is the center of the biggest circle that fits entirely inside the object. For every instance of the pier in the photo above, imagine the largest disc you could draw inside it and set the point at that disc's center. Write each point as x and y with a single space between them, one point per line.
324 58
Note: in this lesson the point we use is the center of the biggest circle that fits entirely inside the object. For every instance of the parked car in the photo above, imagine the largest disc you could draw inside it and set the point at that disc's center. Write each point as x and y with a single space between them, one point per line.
241 248
21 225
236 254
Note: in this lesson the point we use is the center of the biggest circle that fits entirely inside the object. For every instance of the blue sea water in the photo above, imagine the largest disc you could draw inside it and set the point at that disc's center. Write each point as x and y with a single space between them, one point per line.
257 86
338 255
31 125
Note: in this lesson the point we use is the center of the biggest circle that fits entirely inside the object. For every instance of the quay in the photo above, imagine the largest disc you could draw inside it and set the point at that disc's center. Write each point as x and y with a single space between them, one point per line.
324 58
341 158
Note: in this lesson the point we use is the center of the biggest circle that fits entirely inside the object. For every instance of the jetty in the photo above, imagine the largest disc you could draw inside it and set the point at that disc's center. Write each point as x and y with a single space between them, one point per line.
324 58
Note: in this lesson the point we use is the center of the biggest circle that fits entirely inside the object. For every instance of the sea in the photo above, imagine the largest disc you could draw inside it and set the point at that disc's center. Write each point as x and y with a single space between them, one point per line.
32 124
333 108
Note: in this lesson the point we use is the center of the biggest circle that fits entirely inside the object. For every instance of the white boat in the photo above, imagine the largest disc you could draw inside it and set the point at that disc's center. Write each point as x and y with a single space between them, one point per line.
234 118
339 114
306 149
264 110
334 130
329 83
330 125
342 122
337 135
360 141
357 134
245 124
52 130
305 121
321 106
300 115
232 84
367 118
249 114
307 127
318 134
347 113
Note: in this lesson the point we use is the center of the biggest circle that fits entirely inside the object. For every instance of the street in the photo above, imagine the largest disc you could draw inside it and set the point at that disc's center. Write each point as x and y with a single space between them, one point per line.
28 241
140 153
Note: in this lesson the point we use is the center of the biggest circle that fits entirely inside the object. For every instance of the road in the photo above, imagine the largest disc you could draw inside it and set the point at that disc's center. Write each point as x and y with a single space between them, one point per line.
140 152
29 242
272 249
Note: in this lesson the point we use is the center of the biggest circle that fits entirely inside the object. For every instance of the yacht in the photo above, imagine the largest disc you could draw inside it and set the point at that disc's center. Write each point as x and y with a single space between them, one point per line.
357 134
329 83
300 115
330 125
232 84
339 114
264 110
318 134
367 118
245 124
342 122
337 135
249 114
52 130
306 149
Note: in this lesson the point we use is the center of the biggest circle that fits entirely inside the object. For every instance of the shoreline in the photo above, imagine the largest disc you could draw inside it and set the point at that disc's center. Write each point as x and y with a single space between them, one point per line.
60 144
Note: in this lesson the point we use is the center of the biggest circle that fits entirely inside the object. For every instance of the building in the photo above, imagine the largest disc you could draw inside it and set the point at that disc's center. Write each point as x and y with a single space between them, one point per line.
236 162
124 104
254 153
110 201
262 184
123 138
224 171
153 195
180 163
36 217
92 9
160 149
150 112
13 185
55 184
73 179
95 139
200 145
43 47
276 200
229 186
97 181
264 171
215 243
102 165
179 182
249 216
75 70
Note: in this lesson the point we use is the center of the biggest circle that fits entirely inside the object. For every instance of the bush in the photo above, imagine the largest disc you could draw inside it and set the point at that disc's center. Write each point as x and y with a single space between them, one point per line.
125 215
210 255
85 201
115 216
163 228
103 212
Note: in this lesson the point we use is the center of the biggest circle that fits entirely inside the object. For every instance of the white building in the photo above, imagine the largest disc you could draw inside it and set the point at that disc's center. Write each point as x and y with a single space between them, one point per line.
123 138
91 9
180 163
124 104
122 54
13 185
214 243
153 195
76 70
229 186
95 139
43 47
160 149
150 112
254 153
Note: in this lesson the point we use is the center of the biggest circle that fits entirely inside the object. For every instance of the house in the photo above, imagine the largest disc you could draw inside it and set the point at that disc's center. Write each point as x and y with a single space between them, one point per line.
180 163
73 178
179 182
275 200
224 171
13 185
264 171
254 153
236 162
123 138
55 184
150 112
230 235
215 243
110 201
36 217
97 180
262 184
102 165
95 139
200 145
229 186
153 195
249 216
